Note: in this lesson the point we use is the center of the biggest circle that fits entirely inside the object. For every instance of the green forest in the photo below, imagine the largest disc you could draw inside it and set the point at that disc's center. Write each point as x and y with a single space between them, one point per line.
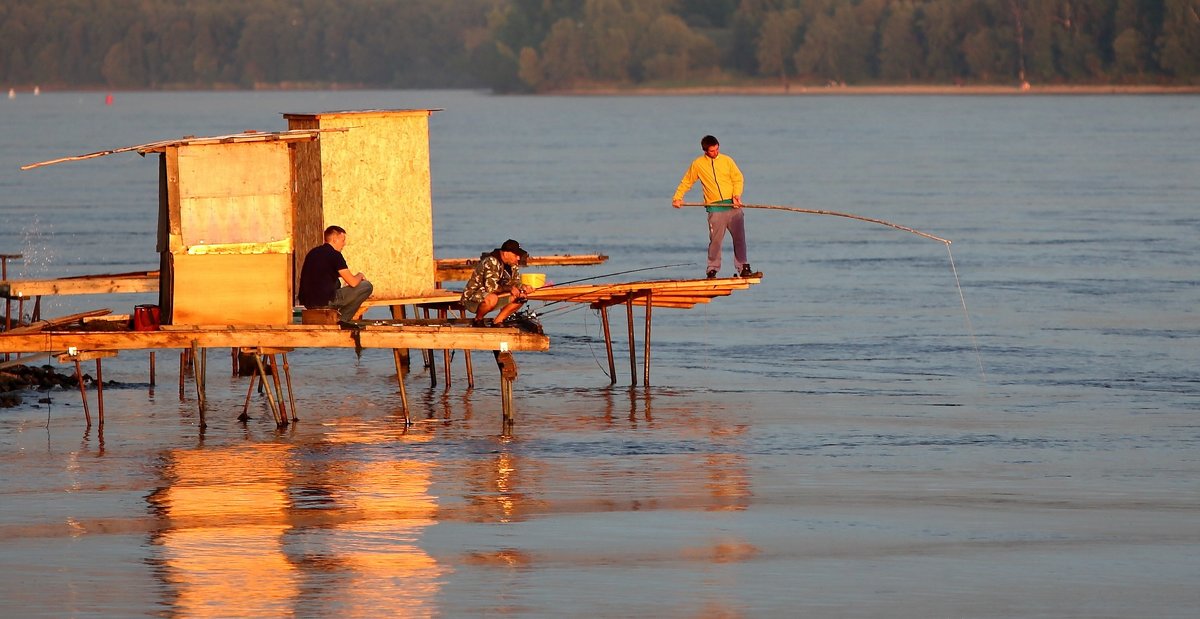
554 45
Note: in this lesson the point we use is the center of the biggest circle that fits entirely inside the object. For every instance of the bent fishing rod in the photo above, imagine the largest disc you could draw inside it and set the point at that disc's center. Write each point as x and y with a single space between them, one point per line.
584 279
811 211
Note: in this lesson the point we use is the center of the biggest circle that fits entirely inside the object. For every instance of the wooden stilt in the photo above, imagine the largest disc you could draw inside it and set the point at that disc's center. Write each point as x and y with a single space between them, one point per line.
152 371
400 383
87 414
37 309
99 393
429 363
234 357
283 408
287 373
646 344
508 374
632 344
612 365
183 364
443 314
398 312
245 416
262 372
198 378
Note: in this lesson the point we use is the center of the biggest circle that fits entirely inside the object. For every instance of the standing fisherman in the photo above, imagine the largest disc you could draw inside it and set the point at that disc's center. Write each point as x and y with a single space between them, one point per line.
722 183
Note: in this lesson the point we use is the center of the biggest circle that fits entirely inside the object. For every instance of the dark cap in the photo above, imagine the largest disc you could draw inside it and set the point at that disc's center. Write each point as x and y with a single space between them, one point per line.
514 247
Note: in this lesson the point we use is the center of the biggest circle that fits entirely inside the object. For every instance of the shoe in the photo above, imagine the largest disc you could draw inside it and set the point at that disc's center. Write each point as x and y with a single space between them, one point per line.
746 272
712 274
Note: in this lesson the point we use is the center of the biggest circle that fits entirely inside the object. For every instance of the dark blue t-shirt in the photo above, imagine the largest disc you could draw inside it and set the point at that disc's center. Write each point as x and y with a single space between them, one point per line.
319 275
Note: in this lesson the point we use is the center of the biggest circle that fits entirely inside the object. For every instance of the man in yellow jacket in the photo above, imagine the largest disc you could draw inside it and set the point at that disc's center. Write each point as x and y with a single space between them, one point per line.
722 183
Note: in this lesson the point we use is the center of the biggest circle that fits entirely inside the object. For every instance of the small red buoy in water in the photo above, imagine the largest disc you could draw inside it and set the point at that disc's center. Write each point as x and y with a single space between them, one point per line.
108 99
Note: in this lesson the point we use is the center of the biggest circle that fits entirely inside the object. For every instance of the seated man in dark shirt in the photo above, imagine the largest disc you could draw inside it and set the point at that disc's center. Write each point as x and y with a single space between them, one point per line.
324 271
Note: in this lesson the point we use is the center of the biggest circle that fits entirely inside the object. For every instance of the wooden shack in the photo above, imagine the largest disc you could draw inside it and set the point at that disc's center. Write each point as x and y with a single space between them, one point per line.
370 174
226 225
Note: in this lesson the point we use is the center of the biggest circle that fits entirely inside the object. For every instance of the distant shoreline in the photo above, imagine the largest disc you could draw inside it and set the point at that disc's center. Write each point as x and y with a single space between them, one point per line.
714 89
903 90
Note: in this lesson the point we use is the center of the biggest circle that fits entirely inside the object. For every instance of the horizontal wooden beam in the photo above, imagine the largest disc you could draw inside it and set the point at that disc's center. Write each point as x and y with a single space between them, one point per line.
439 338
15 289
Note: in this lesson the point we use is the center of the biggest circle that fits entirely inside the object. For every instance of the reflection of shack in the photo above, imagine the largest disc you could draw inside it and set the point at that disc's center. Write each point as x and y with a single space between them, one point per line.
238 214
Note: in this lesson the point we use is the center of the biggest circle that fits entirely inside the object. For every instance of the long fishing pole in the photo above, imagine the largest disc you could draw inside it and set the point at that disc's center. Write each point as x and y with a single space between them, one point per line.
587 292
835 214
586 279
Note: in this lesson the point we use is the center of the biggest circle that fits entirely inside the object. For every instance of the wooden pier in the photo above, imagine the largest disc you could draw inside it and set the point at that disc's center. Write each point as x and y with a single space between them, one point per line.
237 214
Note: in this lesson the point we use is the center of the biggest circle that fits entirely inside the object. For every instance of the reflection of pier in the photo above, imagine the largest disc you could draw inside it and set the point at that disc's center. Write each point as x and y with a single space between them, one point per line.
273 530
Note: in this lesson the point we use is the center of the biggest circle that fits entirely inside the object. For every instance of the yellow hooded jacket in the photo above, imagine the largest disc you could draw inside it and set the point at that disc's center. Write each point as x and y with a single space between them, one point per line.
720 178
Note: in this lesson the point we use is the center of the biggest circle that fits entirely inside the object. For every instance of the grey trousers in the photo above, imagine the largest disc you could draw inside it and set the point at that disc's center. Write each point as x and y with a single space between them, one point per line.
348 299
733 220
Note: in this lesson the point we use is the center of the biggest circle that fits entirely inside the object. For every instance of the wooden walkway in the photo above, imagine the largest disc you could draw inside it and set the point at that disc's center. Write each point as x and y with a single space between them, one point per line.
438 331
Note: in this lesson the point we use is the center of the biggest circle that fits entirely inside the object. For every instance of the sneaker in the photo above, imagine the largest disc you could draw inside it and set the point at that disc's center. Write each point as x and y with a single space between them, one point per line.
712 274
746 272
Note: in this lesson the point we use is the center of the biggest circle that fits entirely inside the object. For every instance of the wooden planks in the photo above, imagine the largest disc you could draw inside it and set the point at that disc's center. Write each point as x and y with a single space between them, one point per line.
373 179
238 289
143 281
441 337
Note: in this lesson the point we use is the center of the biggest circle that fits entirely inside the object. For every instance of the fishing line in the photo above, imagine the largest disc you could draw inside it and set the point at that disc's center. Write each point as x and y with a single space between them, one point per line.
592 350
966 314
946 242
568 309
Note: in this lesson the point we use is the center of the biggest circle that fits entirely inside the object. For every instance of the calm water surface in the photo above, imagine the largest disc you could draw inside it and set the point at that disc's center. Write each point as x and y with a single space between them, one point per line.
841 440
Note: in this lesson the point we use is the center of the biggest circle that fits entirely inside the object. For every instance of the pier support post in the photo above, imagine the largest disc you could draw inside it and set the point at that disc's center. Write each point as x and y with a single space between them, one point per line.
508 374
399 313
287 374
198 377
632 343
429 362
444 315
262 372
87 414
612 365
646 354
400 384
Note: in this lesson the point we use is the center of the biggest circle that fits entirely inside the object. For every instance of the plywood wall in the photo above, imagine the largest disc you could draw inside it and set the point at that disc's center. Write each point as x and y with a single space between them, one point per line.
374 182
231 289
228 251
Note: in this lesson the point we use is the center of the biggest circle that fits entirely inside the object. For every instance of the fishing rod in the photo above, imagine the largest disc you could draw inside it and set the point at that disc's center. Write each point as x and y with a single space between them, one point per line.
833 213
661 266
540 314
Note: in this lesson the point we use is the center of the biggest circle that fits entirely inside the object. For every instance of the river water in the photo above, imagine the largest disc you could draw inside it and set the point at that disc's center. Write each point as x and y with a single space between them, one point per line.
856 436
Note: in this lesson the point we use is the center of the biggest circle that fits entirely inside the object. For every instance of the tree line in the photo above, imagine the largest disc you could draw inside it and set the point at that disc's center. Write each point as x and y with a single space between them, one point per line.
547 45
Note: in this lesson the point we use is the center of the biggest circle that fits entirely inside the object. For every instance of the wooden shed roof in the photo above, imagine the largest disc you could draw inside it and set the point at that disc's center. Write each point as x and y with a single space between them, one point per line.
295 135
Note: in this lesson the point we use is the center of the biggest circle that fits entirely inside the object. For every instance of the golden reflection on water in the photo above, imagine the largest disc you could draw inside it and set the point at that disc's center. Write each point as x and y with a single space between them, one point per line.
267 530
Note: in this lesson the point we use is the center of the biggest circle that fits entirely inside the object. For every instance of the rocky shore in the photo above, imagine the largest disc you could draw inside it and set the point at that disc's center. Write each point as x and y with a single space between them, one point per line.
21 378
